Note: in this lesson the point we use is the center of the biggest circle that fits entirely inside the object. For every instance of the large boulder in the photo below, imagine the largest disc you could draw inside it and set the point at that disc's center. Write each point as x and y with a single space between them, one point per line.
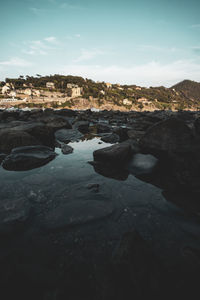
43 133
10 139
26 158
68 135
171 135
115 154
55 122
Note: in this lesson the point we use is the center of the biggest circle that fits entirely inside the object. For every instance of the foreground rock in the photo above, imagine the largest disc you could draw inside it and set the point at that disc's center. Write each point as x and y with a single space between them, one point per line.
118 153
136 271
77 213
26 158
171 135
13 214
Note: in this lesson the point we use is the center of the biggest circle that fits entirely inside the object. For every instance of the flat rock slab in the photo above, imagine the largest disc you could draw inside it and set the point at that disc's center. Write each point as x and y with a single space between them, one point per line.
77 213
26 158
68 135
13 214
118 153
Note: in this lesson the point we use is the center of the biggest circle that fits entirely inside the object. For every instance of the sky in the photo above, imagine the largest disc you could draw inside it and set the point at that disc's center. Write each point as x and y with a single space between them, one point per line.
145 42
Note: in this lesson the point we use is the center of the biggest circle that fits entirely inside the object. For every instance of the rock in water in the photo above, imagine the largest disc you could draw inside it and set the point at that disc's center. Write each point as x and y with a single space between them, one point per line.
68 135
171 135
77 213
118 153
26 158
66 149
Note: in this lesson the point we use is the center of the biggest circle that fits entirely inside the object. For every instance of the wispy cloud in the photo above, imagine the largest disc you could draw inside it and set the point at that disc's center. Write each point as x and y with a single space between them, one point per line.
77 35
36 11
51 39
16 62
74 36
150 74
66 5
40 47
195 26
89 54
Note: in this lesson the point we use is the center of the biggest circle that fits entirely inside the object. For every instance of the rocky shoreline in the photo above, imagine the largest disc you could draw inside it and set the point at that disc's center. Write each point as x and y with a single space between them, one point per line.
161 148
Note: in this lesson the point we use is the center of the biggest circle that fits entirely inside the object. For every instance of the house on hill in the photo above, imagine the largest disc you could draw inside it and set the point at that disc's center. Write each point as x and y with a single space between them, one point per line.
50 85
75 92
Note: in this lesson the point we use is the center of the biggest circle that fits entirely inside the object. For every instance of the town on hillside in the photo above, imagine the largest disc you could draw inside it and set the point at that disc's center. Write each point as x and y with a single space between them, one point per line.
59 91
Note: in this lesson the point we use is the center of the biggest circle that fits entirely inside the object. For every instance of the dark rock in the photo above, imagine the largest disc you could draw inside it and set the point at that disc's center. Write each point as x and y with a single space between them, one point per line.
122 133
197 126
118 153
82 126
68 135
66 149
2 157
77 213
171 135
136 271
10 139
102 128
66 112
109 170
13 214
135 134
43 133
111 138
26 158
55 122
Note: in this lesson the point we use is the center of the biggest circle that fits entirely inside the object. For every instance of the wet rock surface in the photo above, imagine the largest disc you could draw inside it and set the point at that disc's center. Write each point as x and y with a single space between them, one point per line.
68 135
29 157
77 213
118 153
125 226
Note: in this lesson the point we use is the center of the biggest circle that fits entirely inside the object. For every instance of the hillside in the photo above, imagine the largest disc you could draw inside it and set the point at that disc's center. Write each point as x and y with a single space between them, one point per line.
189 88
61 91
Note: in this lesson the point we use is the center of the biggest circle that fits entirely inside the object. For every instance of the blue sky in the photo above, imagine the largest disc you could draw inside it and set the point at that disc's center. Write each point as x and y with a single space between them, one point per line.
134 42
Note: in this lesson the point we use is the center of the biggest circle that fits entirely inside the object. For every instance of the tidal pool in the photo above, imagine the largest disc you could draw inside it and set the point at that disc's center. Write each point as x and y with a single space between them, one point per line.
77 213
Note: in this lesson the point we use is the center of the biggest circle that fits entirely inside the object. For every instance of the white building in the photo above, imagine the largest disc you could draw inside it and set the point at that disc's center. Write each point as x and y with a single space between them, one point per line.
127 102
50 85
5 89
